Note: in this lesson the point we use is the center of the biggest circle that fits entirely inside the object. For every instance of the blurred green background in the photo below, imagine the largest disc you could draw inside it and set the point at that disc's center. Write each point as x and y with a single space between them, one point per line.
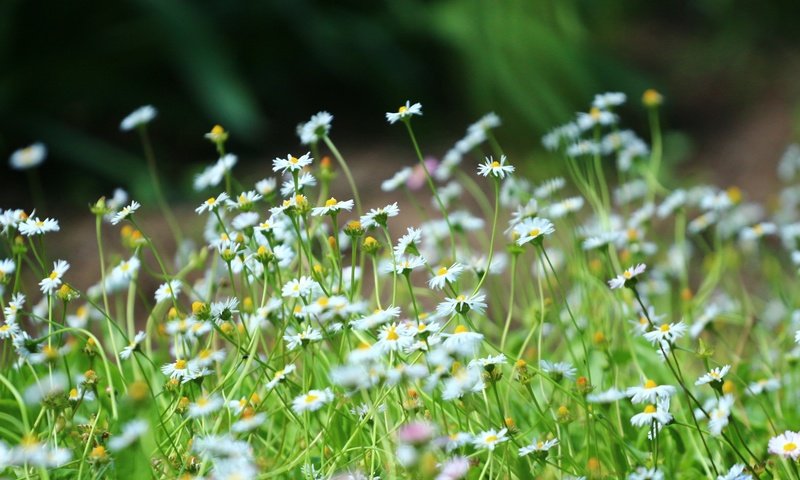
72 70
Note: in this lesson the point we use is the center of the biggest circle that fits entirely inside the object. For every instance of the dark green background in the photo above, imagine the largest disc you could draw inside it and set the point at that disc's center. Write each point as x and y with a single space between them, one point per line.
72 70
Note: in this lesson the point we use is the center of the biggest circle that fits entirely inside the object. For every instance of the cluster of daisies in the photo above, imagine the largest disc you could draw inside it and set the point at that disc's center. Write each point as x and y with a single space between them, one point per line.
510 329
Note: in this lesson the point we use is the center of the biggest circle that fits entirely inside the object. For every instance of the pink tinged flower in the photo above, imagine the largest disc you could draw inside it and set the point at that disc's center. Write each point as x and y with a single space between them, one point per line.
416 433
417 178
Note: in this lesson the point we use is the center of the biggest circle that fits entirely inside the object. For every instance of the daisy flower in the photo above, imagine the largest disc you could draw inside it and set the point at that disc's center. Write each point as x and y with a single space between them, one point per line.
595 117
311 401
244 201
213 175
607 396
205 405
266 186
378 317
168 290
786 445
300 287
28 157
398 180
558 370
653 413
133 346
719 412
332 207
125 212
394 337
178 369
291 163
303 338
140 116
409 242
378 216
531 229
212 204
564 207
131 432
53 281
317 127
668 332
609 99
643 473
36 226
405 265
445 275
7 267
454 469
736 472
628 277
713 376
405 111
494 168
462 341
462 304
763 385
280 375
757 231
217 134
650 392
305 179
490 439
248 422
538 447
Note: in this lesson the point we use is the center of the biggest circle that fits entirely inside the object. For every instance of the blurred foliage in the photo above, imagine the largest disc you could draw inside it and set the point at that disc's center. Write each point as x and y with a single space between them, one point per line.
73 70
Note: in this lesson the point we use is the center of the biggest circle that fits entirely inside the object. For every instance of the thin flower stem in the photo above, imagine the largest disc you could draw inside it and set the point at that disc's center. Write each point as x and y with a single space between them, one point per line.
153 170
494 232
432 186
347 173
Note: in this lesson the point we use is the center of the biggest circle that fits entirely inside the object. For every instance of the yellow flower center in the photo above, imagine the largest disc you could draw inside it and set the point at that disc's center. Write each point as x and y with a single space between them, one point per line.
650 409
323 301
535 232
331 202
391 334
461 298
495 164
98 452
294 160
491 439
627 274
311 398
595 113
664 328
53 275
539 445
790 447
402 109
650 384
180 364
442 271
461 329
211 201
202 402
